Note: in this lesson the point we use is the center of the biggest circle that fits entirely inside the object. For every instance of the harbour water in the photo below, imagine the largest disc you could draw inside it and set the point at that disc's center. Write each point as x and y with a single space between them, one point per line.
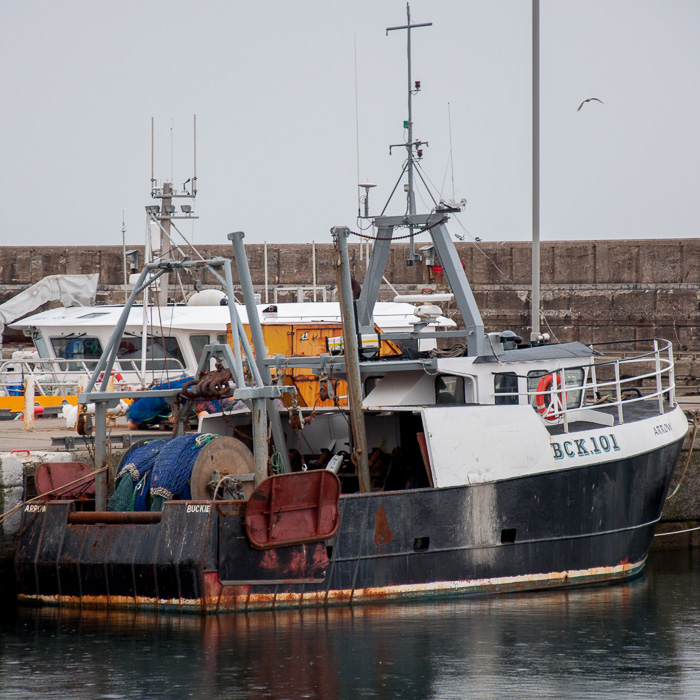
634 640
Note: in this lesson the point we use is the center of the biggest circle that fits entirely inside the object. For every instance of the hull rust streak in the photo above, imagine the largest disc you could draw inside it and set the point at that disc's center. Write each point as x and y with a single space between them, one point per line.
222 598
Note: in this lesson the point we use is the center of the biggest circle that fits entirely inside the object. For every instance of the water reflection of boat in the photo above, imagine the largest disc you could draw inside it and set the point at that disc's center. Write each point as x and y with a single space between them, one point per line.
492 466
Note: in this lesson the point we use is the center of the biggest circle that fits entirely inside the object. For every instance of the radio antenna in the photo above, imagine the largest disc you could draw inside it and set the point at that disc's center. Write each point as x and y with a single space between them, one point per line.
452 162
194 174
172 150
124 256
412 147
153 179
357 126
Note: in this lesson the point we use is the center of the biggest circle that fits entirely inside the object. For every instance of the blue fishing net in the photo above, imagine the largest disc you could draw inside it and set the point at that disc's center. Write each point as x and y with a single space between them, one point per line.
141 491
137 463
173 467
143 412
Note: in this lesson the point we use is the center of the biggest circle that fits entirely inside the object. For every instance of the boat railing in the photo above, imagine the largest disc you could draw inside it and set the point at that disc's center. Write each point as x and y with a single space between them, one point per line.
62 377
564 395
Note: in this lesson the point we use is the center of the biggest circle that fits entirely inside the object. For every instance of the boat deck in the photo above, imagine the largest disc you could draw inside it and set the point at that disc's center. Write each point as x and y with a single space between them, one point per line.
51 433
631 412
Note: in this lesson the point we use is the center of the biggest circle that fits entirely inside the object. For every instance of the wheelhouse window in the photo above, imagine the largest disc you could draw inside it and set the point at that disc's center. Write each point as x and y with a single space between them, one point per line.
198 342
449 389
161 353
505 388
77 348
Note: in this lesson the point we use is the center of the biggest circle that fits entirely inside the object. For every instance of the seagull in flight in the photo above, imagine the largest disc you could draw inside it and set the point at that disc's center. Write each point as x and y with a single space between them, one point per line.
590 99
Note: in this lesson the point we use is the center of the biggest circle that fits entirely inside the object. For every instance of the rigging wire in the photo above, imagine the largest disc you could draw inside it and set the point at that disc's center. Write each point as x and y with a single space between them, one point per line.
450 159
428 183
423 175
444 177
403 170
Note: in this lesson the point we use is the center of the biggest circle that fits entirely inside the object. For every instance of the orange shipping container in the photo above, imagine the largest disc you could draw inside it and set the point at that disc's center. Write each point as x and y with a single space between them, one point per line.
306 340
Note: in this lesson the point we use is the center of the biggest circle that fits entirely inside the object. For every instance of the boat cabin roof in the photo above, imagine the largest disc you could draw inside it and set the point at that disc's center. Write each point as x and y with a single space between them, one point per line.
557 351
388 316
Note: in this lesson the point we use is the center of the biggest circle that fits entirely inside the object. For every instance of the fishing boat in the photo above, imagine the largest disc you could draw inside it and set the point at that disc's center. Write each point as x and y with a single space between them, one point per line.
487 466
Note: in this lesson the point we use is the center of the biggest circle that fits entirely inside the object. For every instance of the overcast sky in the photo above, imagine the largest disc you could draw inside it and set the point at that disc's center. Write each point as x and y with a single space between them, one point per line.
272 84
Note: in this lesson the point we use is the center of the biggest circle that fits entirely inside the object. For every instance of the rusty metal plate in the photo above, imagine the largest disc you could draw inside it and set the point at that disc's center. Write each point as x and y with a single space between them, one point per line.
64 480
293 509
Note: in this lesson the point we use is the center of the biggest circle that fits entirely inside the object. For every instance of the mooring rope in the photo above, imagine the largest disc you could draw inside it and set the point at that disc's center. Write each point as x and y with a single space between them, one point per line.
676 532
694 415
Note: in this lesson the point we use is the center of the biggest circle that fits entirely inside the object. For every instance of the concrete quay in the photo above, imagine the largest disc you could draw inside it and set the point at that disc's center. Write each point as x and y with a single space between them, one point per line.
51 434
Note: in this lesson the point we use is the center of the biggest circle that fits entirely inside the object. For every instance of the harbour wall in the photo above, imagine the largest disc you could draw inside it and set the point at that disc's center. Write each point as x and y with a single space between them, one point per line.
592 291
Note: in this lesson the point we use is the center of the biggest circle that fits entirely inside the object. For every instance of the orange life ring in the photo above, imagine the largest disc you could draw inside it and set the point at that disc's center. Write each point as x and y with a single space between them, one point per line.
549 398
117 377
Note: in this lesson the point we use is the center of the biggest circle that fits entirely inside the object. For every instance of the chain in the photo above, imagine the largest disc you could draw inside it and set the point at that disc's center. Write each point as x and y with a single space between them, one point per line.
398 238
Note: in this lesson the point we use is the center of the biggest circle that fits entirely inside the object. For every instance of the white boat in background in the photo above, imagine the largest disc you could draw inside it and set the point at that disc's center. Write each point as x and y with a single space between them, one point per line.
68 342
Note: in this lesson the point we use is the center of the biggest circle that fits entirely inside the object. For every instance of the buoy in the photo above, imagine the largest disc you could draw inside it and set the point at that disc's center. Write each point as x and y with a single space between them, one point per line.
38 410
549 398
207 297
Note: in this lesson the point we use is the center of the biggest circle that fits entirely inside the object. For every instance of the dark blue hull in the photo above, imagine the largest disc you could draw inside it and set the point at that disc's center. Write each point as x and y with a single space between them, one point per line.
567 527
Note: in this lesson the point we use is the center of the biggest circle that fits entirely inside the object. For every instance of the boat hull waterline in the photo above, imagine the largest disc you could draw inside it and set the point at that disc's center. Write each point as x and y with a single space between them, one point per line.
563 528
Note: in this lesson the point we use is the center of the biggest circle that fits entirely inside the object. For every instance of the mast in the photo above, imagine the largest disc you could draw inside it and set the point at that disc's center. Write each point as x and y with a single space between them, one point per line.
126 296
434 225
535 334
410 145
165 214
167 210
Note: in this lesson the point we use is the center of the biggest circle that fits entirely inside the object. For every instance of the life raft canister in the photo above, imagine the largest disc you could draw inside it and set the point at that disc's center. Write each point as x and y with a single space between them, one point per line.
550 398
